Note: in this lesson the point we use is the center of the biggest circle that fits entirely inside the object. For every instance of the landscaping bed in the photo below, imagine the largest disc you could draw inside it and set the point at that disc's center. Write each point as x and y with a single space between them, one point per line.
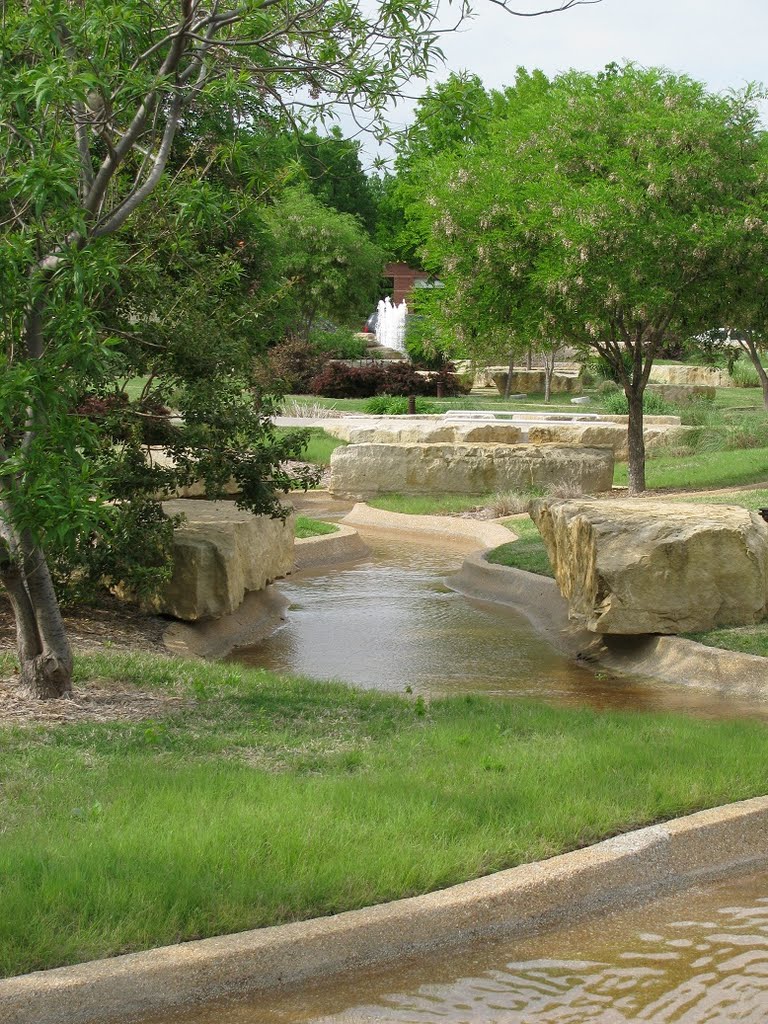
247 799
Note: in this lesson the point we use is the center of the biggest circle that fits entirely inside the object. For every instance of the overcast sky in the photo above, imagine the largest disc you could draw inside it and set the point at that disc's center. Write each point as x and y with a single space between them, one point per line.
721 42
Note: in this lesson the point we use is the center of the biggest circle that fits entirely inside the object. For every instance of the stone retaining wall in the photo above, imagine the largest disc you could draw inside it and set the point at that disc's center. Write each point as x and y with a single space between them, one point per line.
361 471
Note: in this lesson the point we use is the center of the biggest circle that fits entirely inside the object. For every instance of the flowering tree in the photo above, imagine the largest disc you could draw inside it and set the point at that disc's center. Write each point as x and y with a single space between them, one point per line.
611 210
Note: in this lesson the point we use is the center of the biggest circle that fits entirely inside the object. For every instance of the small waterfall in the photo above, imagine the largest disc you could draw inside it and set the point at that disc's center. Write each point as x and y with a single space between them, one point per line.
390 325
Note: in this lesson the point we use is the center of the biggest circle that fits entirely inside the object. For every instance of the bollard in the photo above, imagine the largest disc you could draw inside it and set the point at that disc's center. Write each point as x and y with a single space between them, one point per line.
411 405
440 390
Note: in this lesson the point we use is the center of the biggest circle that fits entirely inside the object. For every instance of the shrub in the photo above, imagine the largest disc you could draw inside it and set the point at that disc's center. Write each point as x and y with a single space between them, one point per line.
609 387
288 367
400 378
616 404
744 375
338 343
338 380
396 405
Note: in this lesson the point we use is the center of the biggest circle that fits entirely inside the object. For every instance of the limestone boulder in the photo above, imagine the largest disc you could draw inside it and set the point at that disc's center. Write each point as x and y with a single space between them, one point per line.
495 433
361 471
220 553
709 376
403 433
434 433
613 435
532 381
642 566
683 394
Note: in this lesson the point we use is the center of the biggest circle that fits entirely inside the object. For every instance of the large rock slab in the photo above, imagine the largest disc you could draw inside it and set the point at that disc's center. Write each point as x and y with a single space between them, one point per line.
431 433
361 471
220 553
600 435
529 382
683 394
643 566
709 376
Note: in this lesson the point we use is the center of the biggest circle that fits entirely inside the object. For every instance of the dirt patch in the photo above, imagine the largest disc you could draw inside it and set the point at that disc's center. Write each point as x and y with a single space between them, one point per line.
97 701
108 629
112 627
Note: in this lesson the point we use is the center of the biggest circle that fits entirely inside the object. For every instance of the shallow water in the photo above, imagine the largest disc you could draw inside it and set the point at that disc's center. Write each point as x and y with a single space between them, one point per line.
390 622
700 957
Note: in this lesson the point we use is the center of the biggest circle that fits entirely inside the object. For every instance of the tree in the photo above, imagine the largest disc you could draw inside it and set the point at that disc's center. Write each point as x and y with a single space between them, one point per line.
95 100
331 266
611 210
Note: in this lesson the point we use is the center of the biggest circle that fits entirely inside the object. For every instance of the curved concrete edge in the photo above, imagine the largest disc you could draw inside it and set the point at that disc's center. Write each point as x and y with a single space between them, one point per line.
668 658
473 532
259 614
346 545
537 597
518 901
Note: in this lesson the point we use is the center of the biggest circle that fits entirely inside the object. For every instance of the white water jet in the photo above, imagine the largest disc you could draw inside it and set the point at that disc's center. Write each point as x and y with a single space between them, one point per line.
390 325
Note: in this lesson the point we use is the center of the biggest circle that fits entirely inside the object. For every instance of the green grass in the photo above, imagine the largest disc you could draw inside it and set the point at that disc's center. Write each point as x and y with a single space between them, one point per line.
263 800
746 639
306 527
429 504
319 447
702 469
527 552
752 500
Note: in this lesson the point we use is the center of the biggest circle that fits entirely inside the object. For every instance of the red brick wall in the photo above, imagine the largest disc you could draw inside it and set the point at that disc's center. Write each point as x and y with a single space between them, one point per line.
403 277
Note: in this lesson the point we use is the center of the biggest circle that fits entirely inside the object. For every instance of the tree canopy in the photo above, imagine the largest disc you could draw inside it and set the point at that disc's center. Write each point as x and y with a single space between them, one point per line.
603 213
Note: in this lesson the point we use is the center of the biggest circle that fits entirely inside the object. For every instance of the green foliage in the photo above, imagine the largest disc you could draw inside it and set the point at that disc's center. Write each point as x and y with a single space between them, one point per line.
744 376
397 405
615 403
330 266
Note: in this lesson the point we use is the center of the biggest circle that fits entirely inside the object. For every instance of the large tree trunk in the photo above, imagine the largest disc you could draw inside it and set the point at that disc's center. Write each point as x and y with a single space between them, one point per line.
45 657
636 440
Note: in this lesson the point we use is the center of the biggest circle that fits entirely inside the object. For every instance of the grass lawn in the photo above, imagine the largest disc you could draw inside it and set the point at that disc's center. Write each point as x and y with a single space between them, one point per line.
262 799
746 639
527 552
306 527
702 469
429 504
319 447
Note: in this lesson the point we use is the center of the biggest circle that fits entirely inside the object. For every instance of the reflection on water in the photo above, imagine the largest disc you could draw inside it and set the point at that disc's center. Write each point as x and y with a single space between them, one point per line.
696 958
390 622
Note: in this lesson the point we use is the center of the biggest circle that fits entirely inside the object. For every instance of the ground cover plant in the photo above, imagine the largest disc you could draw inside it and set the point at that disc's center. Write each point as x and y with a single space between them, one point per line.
527 552
252 799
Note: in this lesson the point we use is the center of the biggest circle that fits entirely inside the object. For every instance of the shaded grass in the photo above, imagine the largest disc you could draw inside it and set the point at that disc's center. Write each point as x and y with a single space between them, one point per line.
755 499
430 504
702 469
746 639
271 799
306 527
527 552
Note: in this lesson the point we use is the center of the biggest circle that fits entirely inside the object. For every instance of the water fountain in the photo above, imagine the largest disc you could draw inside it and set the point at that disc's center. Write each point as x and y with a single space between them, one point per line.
390 324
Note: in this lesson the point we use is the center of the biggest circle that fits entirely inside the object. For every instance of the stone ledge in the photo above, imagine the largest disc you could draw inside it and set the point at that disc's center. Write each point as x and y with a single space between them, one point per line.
519 901
328 549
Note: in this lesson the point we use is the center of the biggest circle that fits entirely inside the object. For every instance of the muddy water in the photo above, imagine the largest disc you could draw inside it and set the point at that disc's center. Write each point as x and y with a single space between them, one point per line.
390 622
700 957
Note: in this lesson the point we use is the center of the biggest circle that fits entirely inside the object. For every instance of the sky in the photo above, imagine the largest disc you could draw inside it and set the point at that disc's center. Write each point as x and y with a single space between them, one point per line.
723 43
